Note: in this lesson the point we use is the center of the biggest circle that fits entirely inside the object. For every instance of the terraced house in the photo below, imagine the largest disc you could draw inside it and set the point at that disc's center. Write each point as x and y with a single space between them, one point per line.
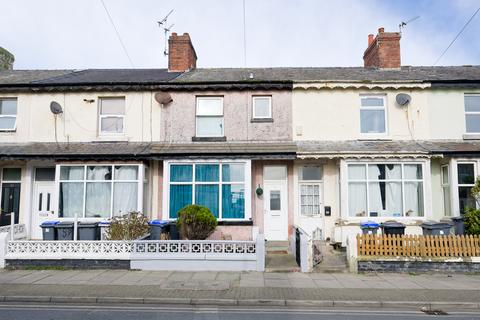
263 148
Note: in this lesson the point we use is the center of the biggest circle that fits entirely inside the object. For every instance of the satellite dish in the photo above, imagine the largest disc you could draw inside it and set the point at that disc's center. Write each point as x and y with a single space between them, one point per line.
55 107
163 98
403 99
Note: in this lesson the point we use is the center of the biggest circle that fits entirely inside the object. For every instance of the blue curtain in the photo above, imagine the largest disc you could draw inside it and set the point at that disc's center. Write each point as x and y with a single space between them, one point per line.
233 201
181 173
180 196
207 195
206 172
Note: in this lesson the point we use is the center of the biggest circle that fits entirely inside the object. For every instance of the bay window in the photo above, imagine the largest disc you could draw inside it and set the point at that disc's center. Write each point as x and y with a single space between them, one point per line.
466 180
99 191
445 181
385 190
310 185
219 186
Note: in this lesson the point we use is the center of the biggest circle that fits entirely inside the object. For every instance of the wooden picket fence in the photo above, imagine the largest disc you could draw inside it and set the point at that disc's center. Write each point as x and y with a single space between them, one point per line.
418 246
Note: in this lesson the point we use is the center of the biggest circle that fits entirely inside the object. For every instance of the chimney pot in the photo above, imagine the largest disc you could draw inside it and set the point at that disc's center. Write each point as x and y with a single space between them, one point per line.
385 54
181 53
370 39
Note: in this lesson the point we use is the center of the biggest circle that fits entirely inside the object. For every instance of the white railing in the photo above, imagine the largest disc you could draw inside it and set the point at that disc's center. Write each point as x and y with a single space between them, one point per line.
302 248
157 254
19 230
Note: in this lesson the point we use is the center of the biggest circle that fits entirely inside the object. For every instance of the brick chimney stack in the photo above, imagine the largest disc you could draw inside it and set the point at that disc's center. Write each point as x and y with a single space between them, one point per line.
181 53
383 51
6 59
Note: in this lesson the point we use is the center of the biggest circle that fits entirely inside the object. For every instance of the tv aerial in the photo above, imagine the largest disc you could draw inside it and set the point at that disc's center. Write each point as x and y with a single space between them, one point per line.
403 24
166 29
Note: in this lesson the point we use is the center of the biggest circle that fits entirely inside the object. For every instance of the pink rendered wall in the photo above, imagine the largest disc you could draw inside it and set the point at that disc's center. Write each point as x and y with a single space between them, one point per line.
178 118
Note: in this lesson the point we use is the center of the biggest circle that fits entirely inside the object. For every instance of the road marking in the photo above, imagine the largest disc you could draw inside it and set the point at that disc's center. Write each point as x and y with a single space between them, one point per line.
211 310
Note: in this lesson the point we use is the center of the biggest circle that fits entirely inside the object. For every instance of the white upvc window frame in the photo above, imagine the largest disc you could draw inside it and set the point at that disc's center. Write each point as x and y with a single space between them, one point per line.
382 108
270 113
446 185
197 116
247 183
10 115
454 185
477 113
319 183
139 181
345 188
107 115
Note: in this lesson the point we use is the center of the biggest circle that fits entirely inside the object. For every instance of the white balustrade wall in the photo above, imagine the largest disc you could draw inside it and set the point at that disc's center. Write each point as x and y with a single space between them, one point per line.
148 255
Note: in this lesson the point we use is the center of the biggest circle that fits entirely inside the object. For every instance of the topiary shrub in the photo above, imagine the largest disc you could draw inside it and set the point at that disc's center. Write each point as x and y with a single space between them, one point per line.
131 226
472 221
196 222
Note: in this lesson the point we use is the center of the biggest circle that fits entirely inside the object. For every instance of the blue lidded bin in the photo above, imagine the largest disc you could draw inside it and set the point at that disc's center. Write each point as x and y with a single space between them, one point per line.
48 230
369 227
157 228
103 226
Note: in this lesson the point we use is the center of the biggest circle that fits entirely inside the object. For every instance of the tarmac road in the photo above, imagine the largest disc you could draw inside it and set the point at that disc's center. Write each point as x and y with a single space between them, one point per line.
14 311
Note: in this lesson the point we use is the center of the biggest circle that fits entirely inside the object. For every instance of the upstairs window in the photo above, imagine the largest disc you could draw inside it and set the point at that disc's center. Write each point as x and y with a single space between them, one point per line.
209 114
262 107
472 113
112 115
373 115
8 114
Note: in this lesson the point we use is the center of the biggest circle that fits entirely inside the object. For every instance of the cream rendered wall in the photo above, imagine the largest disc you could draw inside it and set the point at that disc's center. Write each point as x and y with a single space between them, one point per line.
79 122
334 114
437 198
447 113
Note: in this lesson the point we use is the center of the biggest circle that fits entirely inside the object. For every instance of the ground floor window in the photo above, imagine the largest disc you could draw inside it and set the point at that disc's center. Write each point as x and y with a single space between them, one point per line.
219 186
99 191
445 180
385 190
310 185
466 180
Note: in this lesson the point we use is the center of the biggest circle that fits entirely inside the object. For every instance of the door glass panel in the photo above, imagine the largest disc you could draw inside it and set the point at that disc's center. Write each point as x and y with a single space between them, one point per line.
48 201
40 198
275 203
12 174
275 173
45 174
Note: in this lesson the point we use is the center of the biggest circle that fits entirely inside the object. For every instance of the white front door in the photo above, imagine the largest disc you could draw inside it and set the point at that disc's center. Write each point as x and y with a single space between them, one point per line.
43 206
276 206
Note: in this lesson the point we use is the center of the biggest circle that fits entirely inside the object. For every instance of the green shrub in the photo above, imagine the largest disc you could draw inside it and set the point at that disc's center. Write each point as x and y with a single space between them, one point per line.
472 221
196 222
131 226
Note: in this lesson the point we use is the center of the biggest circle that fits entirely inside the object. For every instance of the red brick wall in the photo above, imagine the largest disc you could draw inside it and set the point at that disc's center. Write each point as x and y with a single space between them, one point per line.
181 54
383 51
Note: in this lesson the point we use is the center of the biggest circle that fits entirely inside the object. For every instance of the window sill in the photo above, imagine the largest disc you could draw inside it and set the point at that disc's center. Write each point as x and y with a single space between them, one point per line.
8 131
471 136
235 223
261 120
209 139
112 138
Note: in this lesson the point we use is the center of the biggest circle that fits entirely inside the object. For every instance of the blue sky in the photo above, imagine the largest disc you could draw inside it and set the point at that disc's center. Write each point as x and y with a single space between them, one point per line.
55 34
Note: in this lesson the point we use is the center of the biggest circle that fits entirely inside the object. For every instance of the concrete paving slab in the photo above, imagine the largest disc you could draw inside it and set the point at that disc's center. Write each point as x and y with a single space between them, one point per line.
59 277
203 285
322 276
252 283
228 276
106 277
328 284
277 283
274 275
301 283
178 276
132 278
204 276
32 277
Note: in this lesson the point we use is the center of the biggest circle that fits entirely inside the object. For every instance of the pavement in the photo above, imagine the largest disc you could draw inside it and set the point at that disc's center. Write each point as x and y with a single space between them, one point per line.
241 288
